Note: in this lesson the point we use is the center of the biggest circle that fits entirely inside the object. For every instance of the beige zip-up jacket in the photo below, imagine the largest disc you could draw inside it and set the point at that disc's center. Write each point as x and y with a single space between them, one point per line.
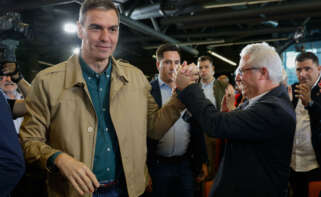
61 117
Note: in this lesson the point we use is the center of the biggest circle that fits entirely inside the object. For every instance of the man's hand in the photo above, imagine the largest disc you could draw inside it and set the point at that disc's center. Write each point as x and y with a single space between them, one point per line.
203 174
187 74
303 92
10 69
228 99
80 176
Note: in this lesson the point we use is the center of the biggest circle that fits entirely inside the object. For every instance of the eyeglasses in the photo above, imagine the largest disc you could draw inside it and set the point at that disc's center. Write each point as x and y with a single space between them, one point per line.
241 71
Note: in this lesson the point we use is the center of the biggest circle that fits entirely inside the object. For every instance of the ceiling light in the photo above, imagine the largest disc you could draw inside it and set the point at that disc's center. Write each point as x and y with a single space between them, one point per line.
70 28
237 3
222 58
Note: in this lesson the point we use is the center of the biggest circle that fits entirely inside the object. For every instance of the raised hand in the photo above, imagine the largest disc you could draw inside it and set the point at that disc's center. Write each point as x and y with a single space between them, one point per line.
9 68
303 92
187 74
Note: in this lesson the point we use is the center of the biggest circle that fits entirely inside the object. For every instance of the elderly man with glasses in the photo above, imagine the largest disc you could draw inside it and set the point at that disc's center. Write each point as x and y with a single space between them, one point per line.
259 132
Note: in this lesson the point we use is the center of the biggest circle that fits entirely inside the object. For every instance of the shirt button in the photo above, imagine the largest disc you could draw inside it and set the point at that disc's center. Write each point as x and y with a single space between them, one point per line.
89 78
106 129
108 149
100 89
90 129
104 109
108 169
97 75
107 76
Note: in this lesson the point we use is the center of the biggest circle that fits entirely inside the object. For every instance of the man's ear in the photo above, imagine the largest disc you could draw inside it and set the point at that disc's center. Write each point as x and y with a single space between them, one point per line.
158 65
79 30
265 73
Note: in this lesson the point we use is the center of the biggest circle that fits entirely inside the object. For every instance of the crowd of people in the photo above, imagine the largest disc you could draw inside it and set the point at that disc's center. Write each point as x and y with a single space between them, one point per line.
97 127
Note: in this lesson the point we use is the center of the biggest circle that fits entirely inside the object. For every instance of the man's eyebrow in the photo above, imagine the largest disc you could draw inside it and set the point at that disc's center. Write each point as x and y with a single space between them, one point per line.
95 25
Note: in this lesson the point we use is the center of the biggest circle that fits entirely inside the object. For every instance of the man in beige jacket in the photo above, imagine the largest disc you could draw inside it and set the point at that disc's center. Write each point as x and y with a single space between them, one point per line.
88 117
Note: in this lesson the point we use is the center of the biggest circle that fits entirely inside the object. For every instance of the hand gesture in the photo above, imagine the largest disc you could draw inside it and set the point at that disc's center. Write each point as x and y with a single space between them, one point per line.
187 74
228 99
303 92
203 174
80 176
9 68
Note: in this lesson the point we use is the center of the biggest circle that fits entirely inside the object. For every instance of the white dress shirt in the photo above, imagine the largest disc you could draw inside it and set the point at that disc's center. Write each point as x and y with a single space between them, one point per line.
175 141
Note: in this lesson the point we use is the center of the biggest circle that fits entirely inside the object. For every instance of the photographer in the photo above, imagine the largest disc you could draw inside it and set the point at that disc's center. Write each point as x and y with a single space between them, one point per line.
11 79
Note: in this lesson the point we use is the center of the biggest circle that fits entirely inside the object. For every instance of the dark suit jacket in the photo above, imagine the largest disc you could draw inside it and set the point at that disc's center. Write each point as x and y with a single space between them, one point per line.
196 149
315 118
258 151
12 165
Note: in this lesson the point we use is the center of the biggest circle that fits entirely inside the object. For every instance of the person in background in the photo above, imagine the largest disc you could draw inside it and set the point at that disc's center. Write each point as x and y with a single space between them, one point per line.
224 79
172 157
88 118
306 154
214 90
11 79
259 133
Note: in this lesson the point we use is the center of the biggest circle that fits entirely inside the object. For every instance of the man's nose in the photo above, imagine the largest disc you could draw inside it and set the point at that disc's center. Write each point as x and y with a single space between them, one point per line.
7 78
105 36
302 74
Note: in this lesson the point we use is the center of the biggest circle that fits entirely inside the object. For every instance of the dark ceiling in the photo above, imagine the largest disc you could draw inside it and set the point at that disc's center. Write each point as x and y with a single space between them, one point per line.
223 26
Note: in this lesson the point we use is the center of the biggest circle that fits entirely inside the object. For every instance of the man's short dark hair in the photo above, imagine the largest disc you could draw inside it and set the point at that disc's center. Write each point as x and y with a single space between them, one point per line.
95 4
307 56
164 48
204 58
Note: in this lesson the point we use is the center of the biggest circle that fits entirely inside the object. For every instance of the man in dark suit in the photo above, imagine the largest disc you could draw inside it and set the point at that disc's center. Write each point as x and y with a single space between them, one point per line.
12 165
306 154
180 154
214 90
259 133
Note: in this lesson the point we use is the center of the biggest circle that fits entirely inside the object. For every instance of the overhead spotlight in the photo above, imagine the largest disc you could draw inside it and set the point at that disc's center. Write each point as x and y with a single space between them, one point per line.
70 28
222 58
76 50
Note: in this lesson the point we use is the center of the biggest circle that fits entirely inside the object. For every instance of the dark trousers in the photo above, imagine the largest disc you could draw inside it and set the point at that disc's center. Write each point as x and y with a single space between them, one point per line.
299 181
172 178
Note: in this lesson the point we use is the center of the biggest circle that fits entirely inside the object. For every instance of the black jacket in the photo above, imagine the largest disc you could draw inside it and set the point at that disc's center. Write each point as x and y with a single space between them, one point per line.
315 118
196 149
257 155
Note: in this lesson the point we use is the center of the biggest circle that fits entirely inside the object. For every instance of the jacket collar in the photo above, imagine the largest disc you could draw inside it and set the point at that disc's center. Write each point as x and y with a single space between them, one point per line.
74 75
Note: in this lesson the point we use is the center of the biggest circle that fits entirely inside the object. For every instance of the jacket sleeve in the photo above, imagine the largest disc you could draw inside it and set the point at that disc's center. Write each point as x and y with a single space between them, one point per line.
250 124
34 129
161 119
12 165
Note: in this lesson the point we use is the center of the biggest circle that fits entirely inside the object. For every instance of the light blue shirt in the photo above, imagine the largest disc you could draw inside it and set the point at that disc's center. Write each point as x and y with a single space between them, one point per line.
176 140
209 91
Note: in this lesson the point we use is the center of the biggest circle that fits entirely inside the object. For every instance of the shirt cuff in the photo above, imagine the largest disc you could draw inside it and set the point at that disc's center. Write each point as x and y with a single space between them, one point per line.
51 162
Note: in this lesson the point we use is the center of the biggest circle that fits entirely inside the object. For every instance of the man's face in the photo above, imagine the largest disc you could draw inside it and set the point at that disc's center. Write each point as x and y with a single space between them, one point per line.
307 72
7 85
99 34
249 78
206 69
167 67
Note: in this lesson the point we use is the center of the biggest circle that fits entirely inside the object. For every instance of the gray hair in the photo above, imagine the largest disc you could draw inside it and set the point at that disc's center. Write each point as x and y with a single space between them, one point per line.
95 4
263 55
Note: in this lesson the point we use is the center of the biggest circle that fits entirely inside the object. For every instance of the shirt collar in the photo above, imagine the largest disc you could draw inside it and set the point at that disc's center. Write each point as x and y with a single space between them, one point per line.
255 99
88 71
162 83
207 84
